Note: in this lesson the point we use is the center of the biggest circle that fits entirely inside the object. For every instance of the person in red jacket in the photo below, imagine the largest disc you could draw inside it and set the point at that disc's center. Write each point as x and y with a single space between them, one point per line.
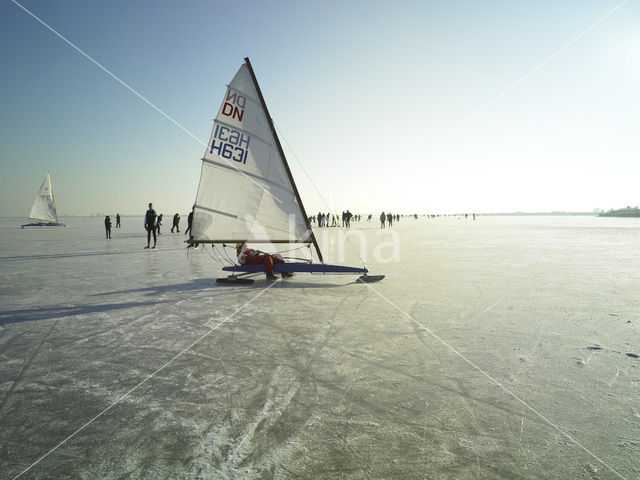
249 256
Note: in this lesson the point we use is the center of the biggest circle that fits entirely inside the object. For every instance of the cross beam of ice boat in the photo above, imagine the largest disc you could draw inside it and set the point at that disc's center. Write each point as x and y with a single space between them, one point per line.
43 224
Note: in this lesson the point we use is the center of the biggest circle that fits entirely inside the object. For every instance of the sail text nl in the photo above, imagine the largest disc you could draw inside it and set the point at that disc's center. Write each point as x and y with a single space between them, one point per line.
230 144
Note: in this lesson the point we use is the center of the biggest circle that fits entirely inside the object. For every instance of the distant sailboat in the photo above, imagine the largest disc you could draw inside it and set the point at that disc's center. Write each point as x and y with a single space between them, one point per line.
43 211
246 190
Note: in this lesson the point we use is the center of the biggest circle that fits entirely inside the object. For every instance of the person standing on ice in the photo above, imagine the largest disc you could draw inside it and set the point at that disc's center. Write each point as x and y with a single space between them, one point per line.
107 226
383 217
347 218
189 222
150 220
176 223
249 256
117 220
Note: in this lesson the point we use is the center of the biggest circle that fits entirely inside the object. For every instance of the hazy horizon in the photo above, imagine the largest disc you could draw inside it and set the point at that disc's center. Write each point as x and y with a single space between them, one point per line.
412 107
183 215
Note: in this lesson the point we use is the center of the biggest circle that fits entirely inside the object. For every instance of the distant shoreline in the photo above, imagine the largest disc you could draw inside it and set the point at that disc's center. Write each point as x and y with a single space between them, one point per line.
622 212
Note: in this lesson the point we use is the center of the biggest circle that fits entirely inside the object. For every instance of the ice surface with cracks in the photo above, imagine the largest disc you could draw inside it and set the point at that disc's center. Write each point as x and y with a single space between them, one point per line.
320 377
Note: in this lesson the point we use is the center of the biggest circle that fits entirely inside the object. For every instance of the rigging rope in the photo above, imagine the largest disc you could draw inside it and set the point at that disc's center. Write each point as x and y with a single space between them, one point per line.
213 251
296 248
214 258
227 255
318 191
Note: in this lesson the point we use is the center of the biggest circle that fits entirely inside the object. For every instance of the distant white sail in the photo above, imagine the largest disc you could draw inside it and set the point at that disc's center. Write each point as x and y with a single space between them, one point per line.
44 207
245 191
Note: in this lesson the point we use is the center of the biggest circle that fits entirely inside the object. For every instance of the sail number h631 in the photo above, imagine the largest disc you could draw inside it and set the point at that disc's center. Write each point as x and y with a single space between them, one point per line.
230 143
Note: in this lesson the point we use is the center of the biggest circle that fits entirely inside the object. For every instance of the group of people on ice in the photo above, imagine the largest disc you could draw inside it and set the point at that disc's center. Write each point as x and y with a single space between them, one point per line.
333 220
107 224
389 218
153 222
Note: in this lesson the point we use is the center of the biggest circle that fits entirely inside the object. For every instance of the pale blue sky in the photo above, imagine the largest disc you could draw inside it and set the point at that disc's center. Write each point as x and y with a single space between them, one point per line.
370 96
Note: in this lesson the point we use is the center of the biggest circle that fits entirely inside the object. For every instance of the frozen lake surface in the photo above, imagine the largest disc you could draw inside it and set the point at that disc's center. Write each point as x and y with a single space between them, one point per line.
495 348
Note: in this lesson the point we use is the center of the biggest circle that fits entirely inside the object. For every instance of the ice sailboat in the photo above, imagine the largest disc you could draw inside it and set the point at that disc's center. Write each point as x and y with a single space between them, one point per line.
246 190
43 212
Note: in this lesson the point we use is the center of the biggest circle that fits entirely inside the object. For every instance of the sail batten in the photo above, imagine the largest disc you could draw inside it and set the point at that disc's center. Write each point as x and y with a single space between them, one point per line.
226 214
246 191
263 179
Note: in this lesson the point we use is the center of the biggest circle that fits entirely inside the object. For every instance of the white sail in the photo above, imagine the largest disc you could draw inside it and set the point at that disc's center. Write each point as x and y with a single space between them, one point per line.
245 190
44 207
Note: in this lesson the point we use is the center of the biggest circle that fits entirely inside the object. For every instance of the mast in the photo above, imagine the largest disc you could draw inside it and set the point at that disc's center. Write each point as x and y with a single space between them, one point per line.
284 159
